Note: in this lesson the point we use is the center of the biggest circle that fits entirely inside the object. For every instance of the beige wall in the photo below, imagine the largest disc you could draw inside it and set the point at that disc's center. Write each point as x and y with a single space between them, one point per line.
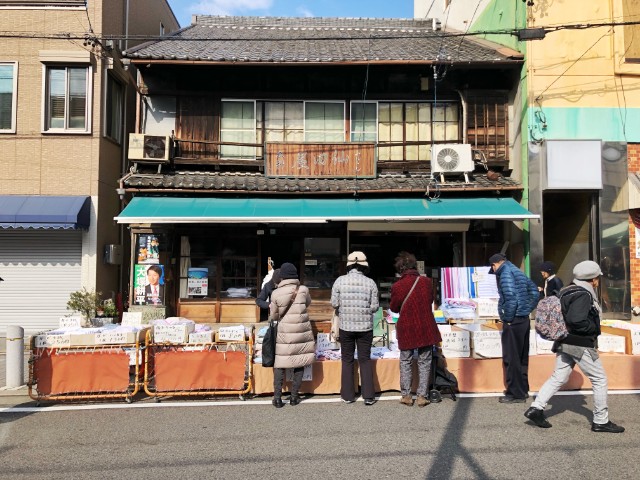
33 163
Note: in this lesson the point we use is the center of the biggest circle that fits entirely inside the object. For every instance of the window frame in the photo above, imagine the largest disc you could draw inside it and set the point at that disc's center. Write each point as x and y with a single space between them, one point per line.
304 118
255 124
353 132
45 120
110 80
14 98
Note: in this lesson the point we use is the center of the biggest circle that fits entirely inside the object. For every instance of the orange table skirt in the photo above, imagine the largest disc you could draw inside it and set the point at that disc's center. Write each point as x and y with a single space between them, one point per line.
177 371
474 376
82 372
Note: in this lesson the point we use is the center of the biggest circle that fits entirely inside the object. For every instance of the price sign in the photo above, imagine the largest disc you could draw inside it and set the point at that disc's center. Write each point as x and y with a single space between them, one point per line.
48 341
324 343
70 322
233 334
132 319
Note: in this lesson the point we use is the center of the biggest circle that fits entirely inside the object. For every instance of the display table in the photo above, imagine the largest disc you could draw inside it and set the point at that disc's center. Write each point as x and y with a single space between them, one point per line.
474 376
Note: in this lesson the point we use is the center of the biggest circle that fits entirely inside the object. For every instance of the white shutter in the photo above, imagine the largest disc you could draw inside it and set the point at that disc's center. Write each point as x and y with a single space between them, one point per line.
40 269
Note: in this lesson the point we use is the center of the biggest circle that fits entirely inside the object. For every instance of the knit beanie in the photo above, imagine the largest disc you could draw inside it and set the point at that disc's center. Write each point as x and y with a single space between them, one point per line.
288 271
548 267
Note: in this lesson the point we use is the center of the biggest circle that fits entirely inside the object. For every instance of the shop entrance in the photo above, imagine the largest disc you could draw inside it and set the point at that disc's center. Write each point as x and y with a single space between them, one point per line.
433 250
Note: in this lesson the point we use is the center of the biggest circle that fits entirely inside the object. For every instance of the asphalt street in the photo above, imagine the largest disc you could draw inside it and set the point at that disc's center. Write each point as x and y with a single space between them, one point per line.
472 438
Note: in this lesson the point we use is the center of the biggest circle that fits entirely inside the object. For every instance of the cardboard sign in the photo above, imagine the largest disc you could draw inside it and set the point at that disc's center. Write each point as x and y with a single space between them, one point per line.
487 344
324 343
611 344
231 334
132 319
487 307
70 322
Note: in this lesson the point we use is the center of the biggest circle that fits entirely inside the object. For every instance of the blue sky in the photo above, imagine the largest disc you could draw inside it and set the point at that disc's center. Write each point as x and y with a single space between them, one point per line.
183 9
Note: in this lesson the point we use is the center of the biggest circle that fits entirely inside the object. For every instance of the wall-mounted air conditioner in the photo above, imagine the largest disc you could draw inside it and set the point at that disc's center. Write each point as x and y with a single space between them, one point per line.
149 148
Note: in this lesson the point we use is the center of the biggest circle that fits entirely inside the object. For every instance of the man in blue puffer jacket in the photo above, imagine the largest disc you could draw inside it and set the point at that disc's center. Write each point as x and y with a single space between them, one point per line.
518 297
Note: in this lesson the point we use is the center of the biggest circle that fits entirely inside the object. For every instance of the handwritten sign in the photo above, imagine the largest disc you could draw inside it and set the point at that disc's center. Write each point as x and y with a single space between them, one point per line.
70 322
48 340
456 344
487 344
132 319
611 343
110 337
201 337
324 343
172 333
487 307
320 160
231 334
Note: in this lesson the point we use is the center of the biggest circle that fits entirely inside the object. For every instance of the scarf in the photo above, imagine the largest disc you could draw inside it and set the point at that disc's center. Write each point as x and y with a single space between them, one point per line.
589 288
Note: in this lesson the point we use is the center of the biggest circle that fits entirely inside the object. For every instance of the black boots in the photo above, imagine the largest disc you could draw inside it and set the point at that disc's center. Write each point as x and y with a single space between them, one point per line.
277 402
294 399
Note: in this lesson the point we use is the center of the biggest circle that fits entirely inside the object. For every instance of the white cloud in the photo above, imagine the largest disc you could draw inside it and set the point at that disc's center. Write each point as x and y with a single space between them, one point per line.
229 7
304 12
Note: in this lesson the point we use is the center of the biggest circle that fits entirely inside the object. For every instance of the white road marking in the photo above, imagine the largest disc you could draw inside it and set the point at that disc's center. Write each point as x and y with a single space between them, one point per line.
251 402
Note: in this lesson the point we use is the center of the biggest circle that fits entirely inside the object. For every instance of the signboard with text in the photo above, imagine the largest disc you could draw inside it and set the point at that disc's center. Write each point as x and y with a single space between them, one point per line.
321 160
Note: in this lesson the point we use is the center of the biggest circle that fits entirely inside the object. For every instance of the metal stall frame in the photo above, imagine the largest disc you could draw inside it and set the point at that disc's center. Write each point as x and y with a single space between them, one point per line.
152 348
133 385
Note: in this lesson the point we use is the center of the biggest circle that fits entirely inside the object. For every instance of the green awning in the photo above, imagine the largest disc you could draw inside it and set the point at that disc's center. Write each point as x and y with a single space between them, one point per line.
149 210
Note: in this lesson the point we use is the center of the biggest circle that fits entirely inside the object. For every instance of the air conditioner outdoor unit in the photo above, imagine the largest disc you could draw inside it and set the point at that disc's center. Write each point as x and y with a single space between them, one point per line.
452 158
149 148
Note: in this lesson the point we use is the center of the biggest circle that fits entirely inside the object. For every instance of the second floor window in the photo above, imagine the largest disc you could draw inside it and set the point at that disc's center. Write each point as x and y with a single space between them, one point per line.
238 125
67 99
8 81
113 110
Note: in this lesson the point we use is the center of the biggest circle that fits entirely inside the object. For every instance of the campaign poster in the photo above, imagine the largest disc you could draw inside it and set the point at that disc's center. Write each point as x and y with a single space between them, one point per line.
148 249
198 282
148 284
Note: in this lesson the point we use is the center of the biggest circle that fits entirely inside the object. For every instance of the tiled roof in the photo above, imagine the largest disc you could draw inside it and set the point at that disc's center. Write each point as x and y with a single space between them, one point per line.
231 182
325 40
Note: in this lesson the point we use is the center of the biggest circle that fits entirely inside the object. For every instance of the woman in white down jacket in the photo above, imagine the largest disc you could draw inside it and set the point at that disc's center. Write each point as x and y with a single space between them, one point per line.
295 346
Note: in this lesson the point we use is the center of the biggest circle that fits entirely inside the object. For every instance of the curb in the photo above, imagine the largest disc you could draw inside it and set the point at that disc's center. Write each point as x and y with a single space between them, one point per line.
21 391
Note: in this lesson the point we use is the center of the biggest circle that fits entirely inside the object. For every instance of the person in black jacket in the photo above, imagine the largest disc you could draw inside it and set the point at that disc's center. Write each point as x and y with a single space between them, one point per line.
264 298
581 313
552 283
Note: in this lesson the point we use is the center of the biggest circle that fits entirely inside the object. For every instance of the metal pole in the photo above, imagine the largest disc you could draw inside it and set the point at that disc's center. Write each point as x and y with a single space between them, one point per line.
15 356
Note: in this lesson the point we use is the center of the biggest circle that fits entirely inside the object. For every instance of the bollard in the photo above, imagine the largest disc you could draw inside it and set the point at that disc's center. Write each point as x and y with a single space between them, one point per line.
15 356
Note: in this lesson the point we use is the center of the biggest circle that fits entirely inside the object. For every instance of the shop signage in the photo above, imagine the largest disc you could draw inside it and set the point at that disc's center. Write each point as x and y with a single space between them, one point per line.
320 160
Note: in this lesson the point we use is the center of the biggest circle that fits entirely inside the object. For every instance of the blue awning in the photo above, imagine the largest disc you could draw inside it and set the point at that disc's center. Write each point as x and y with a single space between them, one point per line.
317 210
44 211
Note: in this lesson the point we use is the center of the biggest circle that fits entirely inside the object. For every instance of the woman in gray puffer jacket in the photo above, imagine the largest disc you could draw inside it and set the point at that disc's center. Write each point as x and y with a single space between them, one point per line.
295 346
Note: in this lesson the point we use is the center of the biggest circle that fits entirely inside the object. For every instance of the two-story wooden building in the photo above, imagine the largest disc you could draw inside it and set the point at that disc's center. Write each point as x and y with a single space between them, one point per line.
301 139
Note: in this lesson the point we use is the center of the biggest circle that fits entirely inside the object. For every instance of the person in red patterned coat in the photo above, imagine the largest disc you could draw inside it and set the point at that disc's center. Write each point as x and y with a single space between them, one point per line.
412 298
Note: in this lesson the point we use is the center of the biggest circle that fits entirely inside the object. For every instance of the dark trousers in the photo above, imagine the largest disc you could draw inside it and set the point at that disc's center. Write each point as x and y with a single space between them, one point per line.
515 356
348 343
278 380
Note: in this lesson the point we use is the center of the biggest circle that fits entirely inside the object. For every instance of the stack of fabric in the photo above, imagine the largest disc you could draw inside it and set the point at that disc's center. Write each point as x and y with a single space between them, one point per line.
459 308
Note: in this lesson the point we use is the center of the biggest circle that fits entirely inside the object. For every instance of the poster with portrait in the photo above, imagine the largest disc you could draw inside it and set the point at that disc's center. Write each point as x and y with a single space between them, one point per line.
198 282
148 284
148 250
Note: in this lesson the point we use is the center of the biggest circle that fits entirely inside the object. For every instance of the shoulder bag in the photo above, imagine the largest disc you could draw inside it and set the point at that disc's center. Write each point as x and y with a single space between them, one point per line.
408 295
269 341
335 327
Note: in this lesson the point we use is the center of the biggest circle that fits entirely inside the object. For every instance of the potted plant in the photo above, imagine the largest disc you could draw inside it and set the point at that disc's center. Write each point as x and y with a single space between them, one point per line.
109 309
85 302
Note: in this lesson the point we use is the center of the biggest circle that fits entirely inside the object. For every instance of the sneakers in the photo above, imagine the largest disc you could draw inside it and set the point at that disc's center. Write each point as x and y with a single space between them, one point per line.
277 402
609 427
407 400
422 401
369 401
510 399
347 401
537 416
